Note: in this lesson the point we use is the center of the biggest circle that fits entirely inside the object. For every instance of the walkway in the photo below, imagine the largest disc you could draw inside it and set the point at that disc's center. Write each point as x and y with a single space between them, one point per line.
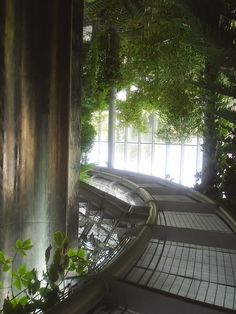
189 264
161 248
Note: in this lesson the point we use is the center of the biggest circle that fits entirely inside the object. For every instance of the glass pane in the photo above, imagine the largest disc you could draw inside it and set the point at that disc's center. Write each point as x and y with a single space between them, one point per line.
159 161
120 134
200 140
145 158
173 162
192 161
199 163
189 170
156 126
93 154
96 136
132 135
192 141
119 160
132 157
104 126
103 154
146 137
158 140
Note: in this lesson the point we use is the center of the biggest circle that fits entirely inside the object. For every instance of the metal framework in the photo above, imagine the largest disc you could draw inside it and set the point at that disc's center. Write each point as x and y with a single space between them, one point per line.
159 247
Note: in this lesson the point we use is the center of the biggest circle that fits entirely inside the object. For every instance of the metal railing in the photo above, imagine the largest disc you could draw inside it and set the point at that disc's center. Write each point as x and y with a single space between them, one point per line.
116 233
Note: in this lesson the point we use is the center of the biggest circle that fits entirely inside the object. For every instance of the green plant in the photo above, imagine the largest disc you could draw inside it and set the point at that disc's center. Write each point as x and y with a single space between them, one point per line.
41 294
84 169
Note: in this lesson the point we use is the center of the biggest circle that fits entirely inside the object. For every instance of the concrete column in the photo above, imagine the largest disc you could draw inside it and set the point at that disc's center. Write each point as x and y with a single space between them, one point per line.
2 9
34 121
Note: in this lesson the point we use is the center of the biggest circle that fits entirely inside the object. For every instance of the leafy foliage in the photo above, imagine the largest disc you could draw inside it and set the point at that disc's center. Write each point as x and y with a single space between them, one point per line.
23 246
78 259
5 262
164 57
153 55
88 134
84 169
181 57
41 294
22 277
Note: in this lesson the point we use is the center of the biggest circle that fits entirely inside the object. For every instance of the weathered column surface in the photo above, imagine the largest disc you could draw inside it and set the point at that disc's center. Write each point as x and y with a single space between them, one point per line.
34 120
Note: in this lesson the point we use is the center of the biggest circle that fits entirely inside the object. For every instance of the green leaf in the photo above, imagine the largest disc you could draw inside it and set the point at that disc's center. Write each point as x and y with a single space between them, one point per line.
22 269
47 254
34 284
23 300
8 307
57 257
82 253
19 244
34 287
80 270
27 245
26 280
53 274
78 261
2 257
84 170
5 262
72 252
58 238
6 266
17 283
65 242
52 296
22 277
22 246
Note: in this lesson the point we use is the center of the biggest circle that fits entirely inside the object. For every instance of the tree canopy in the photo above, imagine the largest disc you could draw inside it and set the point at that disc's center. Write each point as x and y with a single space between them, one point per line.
161 49
181 58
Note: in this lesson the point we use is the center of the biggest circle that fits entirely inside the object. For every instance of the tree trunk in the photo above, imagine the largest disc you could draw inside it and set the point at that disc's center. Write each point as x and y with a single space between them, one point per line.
209 170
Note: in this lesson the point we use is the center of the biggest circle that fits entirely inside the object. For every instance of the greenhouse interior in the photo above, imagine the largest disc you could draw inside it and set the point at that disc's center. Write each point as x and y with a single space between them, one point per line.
117 156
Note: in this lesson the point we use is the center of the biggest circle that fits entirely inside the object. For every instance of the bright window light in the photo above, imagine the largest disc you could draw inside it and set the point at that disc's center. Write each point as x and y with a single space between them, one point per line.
145 153
133 88
87 33
121 95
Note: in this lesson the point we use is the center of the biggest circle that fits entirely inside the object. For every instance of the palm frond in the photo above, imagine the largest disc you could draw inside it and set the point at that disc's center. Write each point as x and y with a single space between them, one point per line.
93 7
84 170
